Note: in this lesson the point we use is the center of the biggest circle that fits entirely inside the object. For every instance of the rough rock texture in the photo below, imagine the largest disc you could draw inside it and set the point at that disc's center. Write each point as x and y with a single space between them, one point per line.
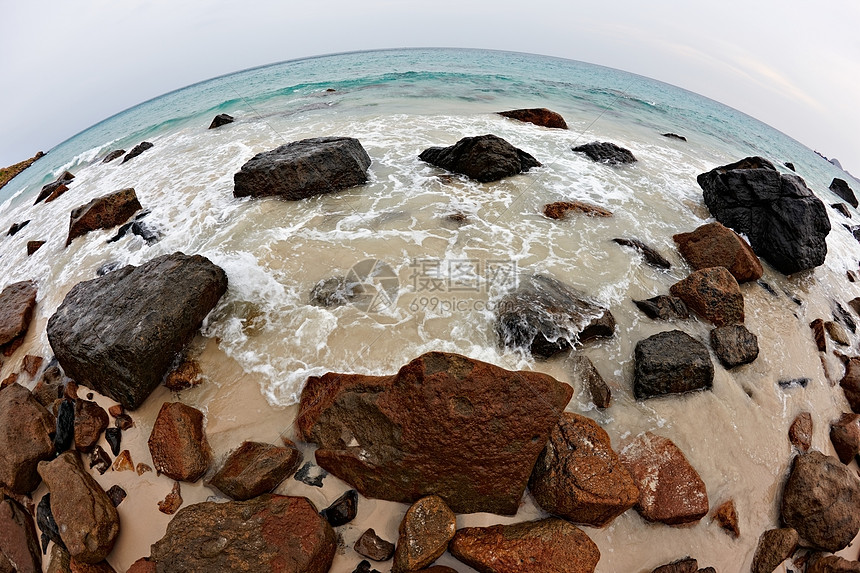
774 547
178 443
800 431
841 188
605 152
842 208
333 292
445 424
426 529
832 564
818 334
584 371
837 333
538 116
19 543
671 362
850 383
90 421
33 246
714 245
172 501
734 345
785 222
100 567
255 468
120 333
17 302
560 209
123 462
116 495
727 516
115 154
579 477
137 150
686 565
713 294
46 523
143 565
303 169
663 307
342 510
60 561
845 435
268 533
25 439
87 520
546 316
183 376
372 546
484 158
671 490
820 500
549 545
103 213
652 257
221 119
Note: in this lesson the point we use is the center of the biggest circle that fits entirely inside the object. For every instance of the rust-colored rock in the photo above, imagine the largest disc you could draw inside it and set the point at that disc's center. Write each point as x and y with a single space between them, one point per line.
426 529
143 565
17 302
372 546
727 516
31 365
818 334
90 421
270 533
123 462
850 383
714 245
172 501
832 564
25 439
584 371
670 489
845 435
538 116
800 431
549 545
256 468
184 376
774 547
178 443
560 209
713 294
579 477
60 562
141 468
100 567
445 424
686 565
19 543
103 213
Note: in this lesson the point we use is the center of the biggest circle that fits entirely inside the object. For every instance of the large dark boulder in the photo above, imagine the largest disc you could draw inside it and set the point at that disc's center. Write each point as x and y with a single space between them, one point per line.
303 169
785 222
841 188
484 158
671 363
103 213
445 424
606 152
120 333
538 116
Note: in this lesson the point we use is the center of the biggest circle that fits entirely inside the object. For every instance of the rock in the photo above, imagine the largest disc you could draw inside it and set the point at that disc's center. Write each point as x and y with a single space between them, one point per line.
727 516
584 371
734 345
670 489
579 477
311 474
47 524
560 209
114 439
783 220
842 208
786 383
845 435
663 307
837 333
268 533
546 316
538 116
854 303
820 501
33 246
101 567
102 213
178 443
790 165
19 543
549 545
484 158
445 424
53 189
817 327
713 294
652 257
671 362
172 501
605 152
342 510
16 227
372 546
115 154
221 119
303 169
25 439
256 468
841 316
841 188
87 520
183 376
64 436
142 468
675 136
60 560
850 383
143 565
774 547
364 567
90 421
137 150
686 565
31 364
17 302
123 462
714 245
832 564
426 529
119 334
800 431
333 292
116 495
123 422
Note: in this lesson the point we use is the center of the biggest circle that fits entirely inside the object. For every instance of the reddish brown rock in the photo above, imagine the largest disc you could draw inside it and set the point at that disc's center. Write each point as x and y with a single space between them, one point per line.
671 490
178 443
123 462
143 565
142 468
445 424
774 547
270 533
663 307
256 468
800 431
845 435
172 501
713 294
538 116
727 516
103 213
185 376
850 383
116 410
90 421
584 371
549 545
17 302
734 345
686 565
31 364
560 209
579 477
19 543
33 246
87 520
818 334
426 529
60 561
714 245
100 567
9 380
372 546
25 439
832 564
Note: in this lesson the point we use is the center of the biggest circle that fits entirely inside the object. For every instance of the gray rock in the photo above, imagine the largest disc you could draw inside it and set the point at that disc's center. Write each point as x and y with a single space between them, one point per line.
663 307
605 152
734 345
671 363
841 188
484 158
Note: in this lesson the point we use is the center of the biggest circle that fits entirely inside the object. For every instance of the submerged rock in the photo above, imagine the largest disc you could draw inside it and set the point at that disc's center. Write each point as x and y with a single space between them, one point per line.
484 158
774 547
605 152
663 307
19 543
103 213
675 136
256 468
221 119
560 209
137 150
178 443
426 529
26 430
800 431
333 292
584 371
841 188
734 345
538 116
714 245
671 363
842 208
652 257
713 294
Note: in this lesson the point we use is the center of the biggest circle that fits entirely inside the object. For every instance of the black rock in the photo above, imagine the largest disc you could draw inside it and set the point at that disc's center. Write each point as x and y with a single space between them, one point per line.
652 257
841 188
842 316
145 232
790 165
605 152
108 267
65 436
100 460
53 186
784 221
842 208
311 474
786 383
17 227
663 307
137 150
364 567
766 286
114 439
46 523
484 158
584 371
116 495
343 509
734 345
115 154
675 136
221 119
671 363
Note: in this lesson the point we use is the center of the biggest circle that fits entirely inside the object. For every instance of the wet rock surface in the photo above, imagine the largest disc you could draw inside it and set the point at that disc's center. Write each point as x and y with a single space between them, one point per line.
832 564
47 524
734 345
256 468
172 501
845 436
484 158
221 119
19 543
342 510
686 565
25 438
652 257
333 292
17 302
538 116
727 516
850 383
800 431
584 371
714 245
605 152
137 150
178 443
818 334
115 154
842 208
713 294
372 546
90 421
844 191
426 529
774 547
561 209
671 362
33 246
663 307
837 333
103 213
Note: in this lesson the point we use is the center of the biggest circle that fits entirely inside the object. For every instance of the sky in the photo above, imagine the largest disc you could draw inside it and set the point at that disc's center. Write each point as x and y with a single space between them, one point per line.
67 65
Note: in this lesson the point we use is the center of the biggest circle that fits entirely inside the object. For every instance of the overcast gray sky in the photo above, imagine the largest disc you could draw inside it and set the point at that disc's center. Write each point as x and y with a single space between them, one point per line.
69 64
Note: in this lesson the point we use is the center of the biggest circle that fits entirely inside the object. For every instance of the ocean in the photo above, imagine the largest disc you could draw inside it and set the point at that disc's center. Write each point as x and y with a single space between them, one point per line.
438 279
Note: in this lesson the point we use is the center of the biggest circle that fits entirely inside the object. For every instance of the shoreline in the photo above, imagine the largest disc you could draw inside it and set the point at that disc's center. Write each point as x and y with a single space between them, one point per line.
9 173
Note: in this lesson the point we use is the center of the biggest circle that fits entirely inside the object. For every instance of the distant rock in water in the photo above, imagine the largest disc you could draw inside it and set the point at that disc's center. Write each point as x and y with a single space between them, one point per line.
841 188
303 169
842 208
137 150
115 154
538 116
790 165
8 173
484 158
675 136
671 363
54 189
560 209
605 152
221 119
784 221
652 257
17 227
103 213
33 246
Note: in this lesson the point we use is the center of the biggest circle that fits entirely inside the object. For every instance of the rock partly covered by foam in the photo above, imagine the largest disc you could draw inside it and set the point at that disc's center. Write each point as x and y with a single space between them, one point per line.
270 533
841 188
605 152
103 213
178 442
17 302
120 333
538 116
303 169
671 362
19 544
734 345
445 424
426 529
714 245
649 253
713 294
484 158
784 221
850 383
221 119
137 150
800 431
256 468
560 209
26 438
583 370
